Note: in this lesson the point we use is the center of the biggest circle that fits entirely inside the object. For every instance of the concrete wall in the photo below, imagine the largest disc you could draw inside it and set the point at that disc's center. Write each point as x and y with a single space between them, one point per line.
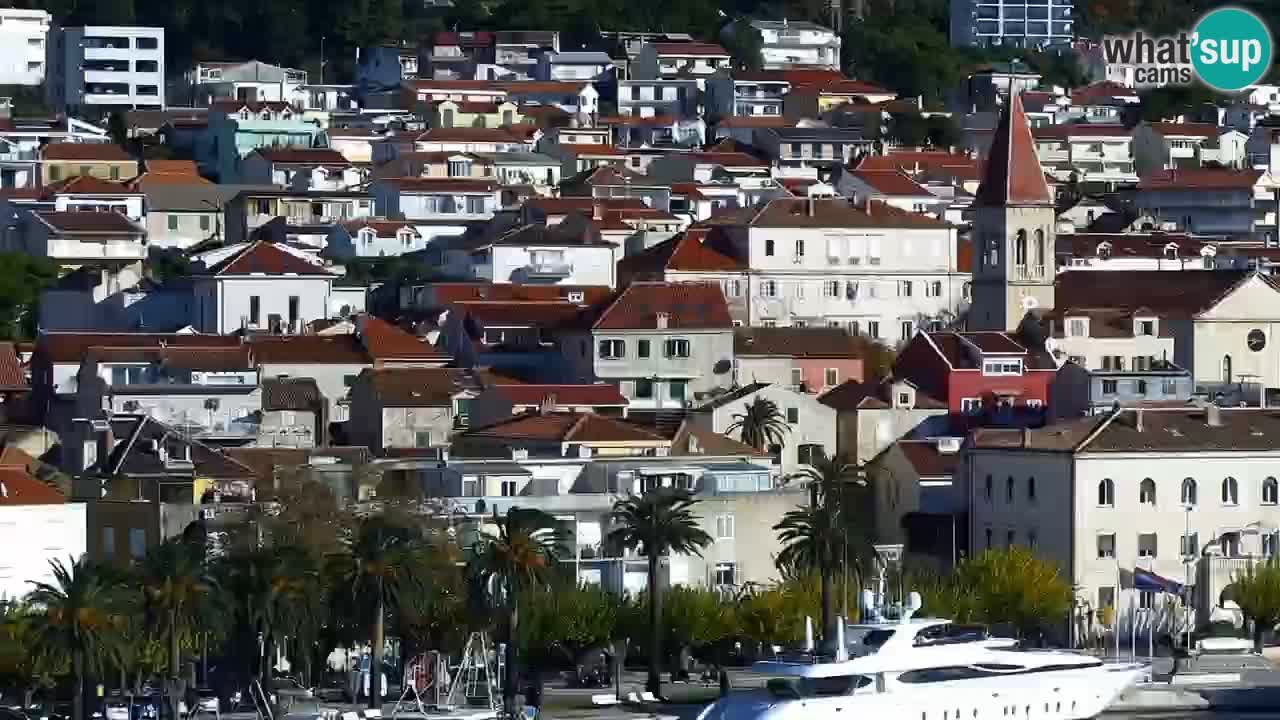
33 535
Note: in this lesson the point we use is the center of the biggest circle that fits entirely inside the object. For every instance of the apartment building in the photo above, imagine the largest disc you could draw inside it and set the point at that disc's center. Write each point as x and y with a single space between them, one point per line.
23 34
96 70
1018 23
787 43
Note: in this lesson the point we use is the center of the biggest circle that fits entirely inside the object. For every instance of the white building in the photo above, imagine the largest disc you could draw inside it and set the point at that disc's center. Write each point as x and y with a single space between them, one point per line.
591 65
1188 494
259 286
984 23
811 425
23 34
872 268
1099 156
671 60
251 81
100 69
787 43
1165 146
373 238
37 525
1207 200
569 253
649 98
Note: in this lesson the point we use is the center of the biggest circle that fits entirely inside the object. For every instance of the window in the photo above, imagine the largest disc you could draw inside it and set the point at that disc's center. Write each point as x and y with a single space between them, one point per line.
676 390
1106 545
422 439
1269 544
799 248
1031 489
1147 492
1009 538
1147 545
988 538
768 248
612 349
908 329
1109 387
204 223
1229 544
294 302
1269 491
642 348
988 488
173 222
1077 327
1146 327
810 454
1008 366
1106 493
644 389
1008 490
146 43
1140 387
1190 545
255 309
115 172
1020 249
146 66
55 172
137 543
769 288
1188 491
1146 599
971 406
1230 491
510 488
726 574
108 541
1226 369
676 348
873 329
904 288
933 289
831 288
475 206
832 378
724 527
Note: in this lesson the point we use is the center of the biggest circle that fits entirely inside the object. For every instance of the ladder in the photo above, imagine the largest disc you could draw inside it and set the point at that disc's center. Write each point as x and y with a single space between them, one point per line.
261 703
476 676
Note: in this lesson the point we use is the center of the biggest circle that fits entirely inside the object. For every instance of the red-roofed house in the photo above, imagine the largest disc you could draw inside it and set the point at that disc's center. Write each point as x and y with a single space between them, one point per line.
373 238
502 401
457 200
918 503
37 526
679 60
76 238
662 344
892 187
258 286
1099 155
1211 201
983 377
1168 145
696 255
300 169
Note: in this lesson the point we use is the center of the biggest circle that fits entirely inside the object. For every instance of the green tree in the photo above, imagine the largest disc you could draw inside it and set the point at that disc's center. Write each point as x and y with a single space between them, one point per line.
175 588
745 45
378 563
19 666
79 619
1001 585
697 620
657 523
22 278
520 557
568 621
822 537
760 424
1257 591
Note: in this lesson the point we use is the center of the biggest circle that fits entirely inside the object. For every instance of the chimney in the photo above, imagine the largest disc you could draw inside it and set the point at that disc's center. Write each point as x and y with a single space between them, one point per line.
548 405
663 320
597 210
1137 419
1213 415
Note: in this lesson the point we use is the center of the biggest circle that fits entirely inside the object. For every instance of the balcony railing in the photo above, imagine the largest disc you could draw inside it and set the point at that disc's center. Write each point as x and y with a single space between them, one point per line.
110 250
549 269
1029 272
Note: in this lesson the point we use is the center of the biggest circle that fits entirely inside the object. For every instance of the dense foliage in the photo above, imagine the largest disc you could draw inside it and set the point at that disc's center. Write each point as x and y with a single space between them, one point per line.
1000 586
1257 592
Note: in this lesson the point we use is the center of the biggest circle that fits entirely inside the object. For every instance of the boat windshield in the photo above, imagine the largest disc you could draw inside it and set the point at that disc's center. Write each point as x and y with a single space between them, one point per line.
865 640
949 634
794 688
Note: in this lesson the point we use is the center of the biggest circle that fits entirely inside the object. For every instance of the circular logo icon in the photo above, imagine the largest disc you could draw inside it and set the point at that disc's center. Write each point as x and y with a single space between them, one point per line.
1231 49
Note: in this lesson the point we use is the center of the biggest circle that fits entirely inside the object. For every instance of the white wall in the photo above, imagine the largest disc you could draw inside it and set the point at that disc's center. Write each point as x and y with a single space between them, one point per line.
68 82
23 34
816 423
31 536
233 300
589 265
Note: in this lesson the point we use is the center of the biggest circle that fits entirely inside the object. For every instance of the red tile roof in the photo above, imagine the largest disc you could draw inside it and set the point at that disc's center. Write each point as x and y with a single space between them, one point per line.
915 161
1104 90
755 121
1192 179
682 49
509 292
544 87
687 306
385 341
265 258
824 213
1013 175
728 159
88 185
90 222
800 342
413 387
12 376
433 184
565 427
687 251
499 135
600 394
100 152
18 487
927 461
853 87
67 347
453 85
304 156
890 182
637 120
1203 130
308 350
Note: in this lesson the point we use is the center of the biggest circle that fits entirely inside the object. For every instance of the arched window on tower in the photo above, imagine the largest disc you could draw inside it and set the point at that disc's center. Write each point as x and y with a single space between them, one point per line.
1020 249
1040 253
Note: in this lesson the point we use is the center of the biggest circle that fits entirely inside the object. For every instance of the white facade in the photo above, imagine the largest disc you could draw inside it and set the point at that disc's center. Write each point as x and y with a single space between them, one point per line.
984 23
1146 343
573 65
1093 157
649 98
811 426
251 81
560 264
224 305
31 536
23 34
106 68
786 44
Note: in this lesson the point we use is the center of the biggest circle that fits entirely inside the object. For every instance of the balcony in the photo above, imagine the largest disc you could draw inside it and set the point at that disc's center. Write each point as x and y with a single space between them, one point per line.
65 249
548 270
1028 272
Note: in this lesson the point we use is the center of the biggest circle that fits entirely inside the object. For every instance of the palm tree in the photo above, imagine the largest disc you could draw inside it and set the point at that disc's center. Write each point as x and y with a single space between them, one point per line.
175 586
77 616
378 561
761 424
521 555
814 538
657 523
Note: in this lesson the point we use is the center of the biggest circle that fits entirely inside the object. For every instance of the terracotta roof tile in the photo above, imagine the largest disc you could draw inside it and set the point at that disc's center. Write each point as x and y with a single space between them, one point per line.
754 121
265 258
304 156
1013 175
853 87
691 49
90 222
18 487
890 182
687 251
599 394
12 376
71 347
1166 293
873 395
309 349
87 185
101 152
927 461
799 342
565 427
687 306
385 341
510 292
1192 179
413 387
789 212
544 87
1063 132
1203 130
290 394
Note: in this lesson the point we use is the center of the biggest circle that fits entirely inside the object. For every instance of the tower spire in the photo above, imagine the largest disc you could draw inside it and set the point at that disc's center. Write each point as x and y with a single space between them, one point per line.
1013 175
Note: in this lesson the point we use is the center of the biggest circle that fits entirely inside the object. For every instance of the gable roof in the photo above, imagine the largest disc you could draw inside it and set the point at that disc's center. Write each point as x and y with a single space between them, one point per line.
1165 293
890 182
95 152
565 427
688 251
19 487
413 387
89 222
874 395
927 461
88 185
12 376
687 306
290 394
1192 179
304 156
385 341
598 394
1013 175
795 212
681 49
798 342
1171 129
691 440
134 456
264 258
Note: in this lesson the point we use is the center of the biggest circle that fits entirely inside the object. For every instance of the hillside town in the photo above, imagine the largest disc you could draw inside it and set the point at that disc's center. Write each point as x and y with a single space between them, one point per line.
492 272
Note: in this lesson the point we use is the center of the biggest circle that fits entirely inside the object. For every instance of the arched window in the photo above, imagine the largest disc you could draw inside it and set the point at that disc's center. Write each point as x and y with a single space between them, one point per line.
1008 490
989 488
1270 491
1226 369
1040 250
1020 249
1031 489
1230 491
1188 491
1147 492
1106 493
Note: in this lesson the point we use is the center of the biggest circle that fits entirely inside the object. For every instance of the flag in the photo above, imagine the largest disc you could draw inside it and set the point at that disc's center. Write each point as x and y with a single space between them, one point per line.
1147 580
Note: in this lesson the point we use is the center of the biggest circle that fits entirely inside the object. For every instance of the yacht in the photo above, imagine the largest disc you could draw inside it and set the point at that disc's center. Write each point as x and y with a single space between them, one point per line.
931 669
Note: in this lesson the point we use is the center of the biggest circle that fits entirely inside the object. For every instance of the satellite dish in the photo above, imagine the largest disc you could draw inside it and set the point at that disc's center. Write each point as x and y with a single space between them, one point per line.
722 366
